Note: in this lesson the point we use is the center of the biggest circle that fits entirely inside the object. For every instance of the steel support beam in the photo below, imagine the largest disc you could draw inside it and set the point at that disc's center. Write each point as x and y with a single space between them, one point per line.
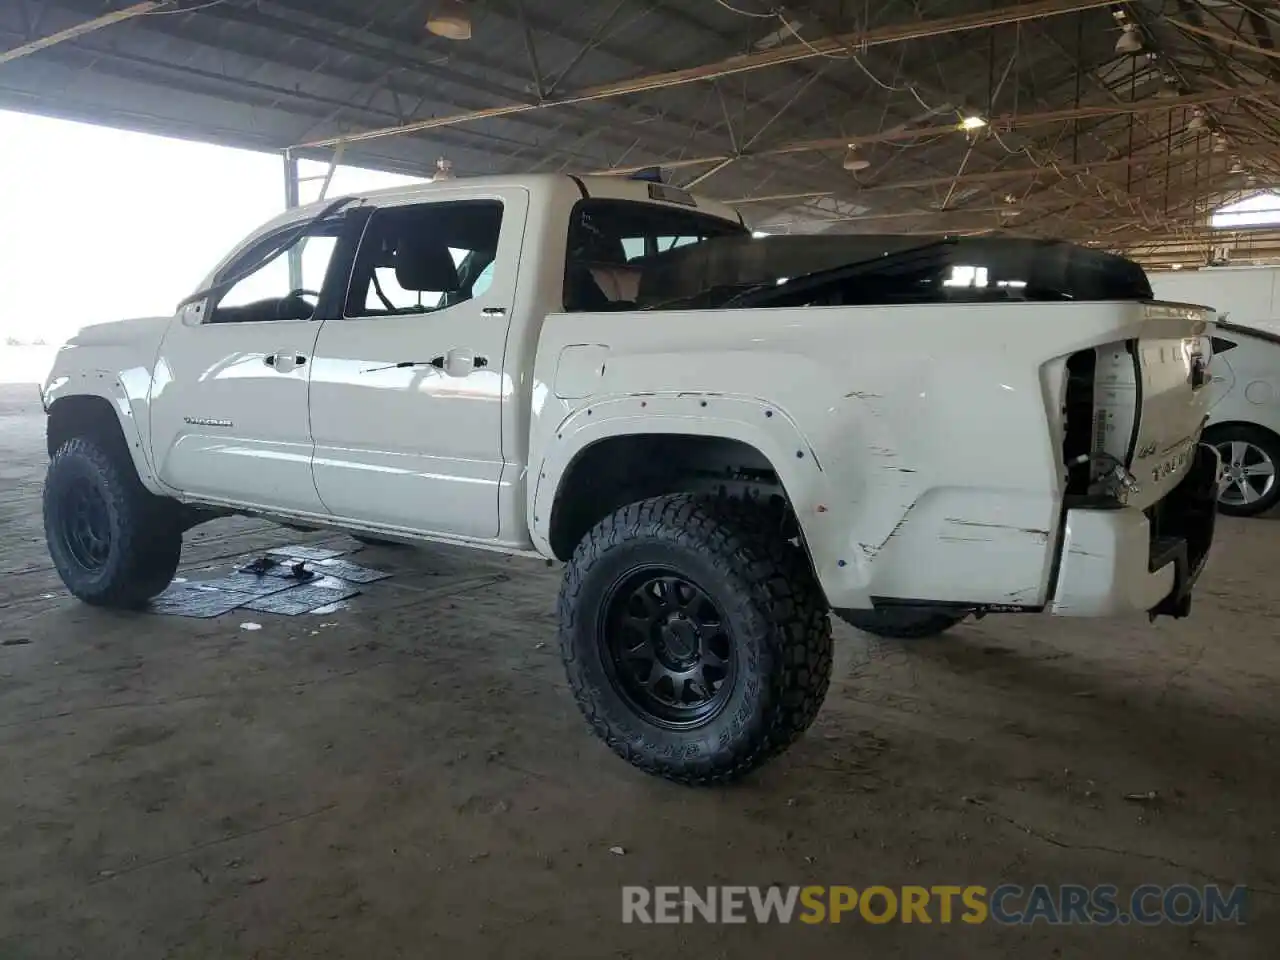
1001 124
79 30
1223 38
292 198
744 63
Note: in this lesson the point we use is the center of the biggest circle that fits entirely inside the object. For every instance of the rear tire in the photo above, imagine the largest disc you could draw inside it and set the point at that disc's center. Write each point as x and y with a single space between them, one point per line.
695 639
902 623
113 542
1250 459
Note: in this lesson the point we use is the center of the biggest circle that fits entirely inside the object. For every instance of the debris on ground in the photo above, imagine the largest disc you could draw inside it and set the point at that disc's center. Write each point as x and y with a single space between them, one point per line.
288 581
1149 797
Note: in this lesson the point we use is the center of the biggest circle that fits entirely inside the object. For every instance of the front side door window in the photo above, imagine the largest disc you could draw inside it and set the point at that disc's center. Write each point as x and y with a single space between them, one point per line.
260 290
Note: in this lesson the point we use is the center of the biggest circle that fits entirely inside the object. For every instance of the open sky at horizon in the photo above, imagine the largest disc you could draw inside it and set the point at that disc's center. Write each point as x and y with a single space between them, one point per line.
101 224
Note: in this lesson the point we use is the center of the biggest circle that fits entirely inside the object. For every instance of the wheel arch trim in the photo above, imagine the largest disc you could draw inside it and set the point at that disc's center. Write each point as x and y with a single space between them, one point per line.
762 426
106 388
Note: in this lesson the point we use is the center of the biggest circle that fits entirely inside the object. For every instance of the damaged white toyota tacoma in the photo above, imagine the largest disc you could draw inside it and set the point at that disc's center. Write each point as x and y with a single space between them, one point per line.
723 438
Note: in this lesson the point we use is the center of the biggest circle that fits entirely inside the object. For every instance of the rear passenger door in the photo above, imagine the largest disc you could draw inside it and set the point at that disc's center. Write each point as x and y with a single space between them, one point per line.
407 387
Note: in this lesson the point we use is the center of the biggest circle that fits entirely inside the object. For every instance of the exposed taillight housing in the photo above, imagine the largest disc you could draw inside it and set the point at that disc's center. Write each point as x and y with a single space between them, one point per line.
1078 425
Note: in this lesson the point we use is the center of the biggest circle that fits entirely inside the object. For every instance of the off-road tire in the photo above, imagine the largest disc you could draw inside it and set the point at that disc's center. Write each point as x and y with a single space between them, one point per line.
902 623
776 617
145 540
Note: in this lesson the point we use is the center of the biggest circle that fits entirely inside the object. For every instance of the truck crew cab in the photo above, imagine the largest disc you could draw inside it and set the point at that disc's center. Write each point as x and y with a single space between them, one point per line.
722 437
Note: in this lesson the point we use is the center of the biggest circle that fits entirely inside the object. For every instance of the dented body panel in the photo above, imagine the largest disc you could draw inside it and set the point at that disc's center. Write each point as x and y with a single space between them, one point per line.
921 447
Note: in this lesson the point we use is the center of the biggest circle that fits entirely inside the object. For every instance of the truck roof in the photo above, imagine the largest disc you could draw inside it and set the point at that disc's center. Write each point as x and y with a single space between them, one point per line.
607 187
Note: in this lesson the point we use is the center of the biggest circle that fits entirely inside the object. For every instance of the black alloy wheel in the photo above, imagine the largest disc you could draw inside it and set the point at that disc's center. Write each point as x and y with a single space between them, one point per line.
668 647
83 524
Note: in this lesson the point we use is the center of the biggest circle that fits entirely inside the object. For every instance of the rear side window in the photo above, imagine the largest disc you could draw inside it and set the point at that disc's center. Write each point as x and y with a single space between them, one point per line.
614 243
423 258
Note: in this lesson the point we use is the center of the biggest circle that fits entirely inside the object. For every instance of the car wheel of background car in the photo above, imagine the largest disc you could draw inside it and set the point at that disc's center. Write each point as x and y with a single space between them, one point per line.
695 639
901 623
114 543
1249 459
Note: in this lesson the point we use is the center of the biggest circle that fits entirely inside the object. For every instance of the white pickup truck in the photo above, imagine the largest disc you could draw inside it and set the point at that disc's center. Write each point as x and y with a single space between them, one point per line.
723 437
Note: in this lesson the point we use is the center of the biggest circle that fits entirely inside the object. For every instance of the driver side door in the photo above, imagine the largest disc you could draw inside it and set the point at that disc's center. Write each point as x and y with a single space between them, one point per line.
229 416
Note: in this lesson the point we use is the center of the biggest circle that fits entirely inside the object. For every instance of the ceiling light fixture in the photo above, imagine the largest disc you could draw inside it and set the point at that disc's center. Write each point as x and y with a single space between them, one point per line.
1130 40
1237 166
972 122
450 20
1196 123
852 162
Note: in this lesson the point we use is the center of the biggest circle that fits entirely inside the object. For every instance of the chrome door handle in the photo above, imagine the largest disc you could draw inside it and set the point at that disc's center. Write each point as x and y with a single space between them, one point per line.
459 362
284 361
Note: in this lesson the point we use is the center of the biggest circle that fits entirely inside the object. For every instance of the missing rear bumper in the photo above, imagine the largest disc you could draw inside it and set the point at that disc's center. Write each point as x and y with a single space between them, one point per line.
1124 560
1182 528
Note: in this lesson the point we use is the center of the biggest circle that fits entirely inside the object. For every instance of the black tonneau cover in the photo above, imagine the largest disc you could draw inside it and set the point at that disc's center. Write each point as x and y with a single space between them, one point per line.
793 270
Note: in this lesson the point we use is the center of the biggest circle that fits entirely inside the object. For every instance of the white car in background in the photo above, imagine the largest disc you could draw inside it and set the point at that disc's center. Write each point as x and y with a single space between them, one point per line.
1244 414
1244 419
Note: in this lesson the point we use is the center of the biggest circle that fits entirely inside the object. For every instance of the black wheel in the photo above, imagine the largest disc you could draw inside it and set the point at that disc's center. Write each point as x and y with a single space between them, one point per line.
695 639
113 542
901 623
1249 459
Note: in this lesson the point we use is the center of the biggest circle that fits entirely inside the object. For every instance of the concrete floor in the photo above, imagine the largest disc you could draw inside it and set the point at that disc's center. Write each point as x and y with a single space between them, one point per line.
411 775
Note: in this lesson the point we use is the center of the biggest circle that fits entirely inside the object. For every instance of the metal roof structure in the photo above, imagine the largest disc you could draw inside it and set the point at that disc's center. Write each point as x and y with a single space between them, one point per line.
1121 124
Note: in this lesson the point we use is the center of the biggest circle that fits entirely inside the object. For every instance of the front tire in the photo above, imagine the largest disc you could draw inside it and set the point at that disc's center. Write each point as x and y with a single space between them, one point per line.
901 623
695 639
112 541
1250 457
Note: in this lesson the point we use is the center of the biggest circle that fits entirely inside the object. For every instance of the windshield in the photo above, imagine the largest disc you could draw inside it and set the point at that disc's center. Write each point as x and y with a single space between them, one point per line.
615 244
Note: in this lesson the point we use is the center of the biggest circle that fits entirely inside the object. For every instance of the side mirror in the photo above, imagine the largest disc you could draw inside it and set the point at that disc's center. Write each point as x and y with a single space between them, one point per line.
192 312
